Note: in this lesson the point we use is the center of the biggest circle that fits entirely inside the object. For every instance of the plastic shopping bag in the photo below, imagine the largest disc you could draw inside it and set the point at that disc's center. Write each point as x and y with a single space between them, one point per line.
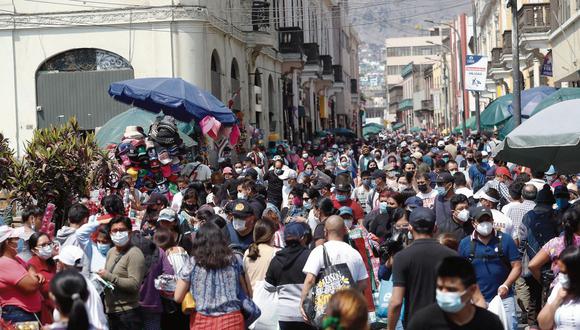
385 293
496 307
268 303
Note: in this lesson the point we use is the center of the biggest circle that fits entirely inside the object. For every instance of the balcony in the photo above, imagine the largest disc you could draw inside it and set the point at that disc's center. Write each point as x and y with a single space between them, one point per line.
406 104
354 86
427 105
311 50
497 68
507 42
496 58
326 65
337 73
291 40
261 32
534 25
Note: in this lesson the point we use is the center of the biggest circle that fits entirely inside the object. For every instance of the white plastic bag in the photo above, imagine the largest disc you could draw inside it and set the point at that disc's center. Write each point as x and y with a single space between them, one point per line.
268 303
496 307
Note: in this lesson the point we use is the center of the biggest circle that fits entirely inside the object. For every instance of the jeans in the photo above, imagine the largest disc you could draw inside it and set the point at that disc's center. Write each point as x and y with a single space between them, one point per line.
509 304
127 320
151 321
284 325
16 314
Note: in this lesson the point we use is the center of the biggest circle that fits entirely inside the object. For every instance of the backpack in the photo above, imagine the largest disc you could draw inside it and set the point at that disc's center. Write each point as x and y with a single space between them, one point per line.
541 227
502 257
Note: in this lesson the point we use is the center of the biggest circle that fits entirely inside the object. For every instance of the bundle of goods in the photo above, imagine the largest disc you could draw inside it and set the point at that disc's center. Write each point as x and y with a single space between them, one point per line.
152 161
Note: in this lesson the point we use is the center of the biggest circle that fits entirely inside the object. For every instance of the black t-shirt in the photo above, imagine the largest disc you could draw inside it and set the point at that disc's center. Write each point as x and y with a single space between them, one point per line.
433 318
415 269
274 188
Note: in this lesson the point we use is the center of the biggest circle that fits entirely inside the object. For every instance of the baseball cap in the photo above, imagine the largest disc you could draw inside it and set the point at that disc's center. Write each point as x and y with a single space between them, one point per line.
7 232
422 217
295 230
480 211
503 171
440 143
379 174
70 255
156 198
344 210
551 170
277 157
444 177
167 214
561 192
227 170
417 155
241 208
414 202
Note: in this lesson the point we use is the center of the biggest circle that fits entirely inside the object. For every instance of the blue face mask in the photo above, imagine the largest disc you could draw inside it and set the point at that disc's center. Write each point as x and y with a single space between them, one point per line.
366 182
103 248
307 205
484 160
562 203
383 207
308 172
441 191
341 198
450 302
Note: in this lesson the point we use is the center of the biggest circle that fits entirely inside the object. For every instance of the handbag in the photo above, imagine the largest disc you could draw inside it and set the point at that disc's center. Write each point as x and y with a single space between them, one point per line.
248 308
331 279
188 304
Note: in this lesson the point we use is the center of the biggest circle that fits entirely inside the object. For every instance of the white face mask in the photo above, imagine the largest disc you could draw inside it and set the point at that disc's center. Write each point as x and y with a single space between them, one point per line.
463 215
241 195
239 224
564 280
304 155
120 238
484 228
45 252
238 170
348 223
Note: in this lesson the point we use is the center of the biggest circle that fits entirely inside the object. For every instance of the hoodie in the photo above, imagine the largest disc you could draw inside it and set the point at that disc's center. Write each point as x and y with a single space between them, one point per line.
66 234
285 276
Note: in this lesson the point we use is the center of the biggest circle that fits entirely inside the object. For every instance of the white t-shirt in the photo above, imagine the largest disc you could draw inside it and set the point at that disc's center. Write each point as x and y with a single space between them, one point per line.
94 307
176 202
338 253
502 223
428 198
567 316
464 191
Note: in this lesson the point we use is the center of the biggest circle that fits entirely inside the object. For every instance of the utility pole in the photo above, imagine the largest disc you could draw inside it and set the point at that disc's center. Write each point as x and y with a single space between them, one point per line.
475 50
461 85
517 101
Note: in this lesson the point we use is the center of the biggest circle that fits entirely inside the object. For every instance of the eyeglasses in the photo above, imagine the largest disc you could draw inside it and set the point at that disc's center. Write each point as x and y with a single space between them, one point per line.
305 198
114 231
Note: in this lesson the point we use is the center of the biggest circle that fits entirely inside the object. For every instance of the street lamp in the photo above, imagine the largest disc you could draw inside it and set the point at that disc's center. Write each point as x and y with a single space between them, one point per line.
461 77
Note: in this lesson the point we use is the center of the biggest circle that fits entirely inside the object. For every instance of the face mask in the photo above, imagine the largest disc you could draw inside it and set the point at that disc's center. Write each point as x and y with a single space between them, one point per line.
402 187
195 227
238 170
366 182
308 172
348 223
410 236
484 160
549 178
441 191
564 280
304 156
383 207
484 228
241 195
279 171
182 191
45 252
463 215
341 198
445 159
350 152
561 203
377 157
239 224
103 248
120 238
307 205
450 302
422 188
452 172
344 164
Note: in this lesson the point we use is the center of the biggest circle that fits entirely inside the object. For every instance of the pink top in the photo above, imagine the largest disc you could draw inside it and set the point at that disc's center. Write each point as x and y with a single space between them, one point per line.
554 247
11 272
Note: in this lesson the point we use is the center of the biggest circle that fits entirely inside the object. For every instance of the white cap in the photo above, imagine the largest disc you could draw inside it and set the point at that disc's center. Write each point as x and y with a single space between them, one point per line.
7 232
403 144
440 143
277 157
334 146
484 154
70 255
167 214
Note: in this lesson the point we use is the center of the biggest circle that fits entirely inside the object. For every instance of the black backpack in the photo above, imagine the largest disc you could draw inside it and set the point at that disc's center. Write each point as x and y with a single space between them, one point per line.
541 227
502 257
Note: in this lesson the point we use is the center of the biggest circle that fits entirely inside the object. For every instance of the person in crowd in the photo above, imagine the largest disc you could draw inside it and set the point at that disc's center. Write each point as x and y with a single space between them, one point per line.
124 268
459 226
325 210
454 307
240 229
414 268
338 252
43 250
69 291
31 223
275 183
361 193
346 310
537 179
460 185
182 185
310 199
306 174
379 178
562 196
259 254
496 260
20 297
523 200
78 215
342 197
154 205
500 183
491 199
188 210
213 271
562 310
247 190
197 171
426 193
285 276
169 219
442 205
93 238
378 221
365 158
477 171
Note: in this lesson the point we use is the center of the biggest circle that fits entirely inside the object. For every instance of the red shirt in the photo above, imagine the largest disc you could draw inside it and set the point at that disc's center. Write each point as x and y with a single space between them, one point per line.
13 271
357 210
48 271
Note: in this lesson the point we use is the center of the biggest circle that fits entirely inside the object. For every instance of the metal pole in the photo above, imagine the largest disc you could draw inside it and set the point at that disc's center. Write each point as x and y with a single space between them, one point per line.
461 86
517 101
475 51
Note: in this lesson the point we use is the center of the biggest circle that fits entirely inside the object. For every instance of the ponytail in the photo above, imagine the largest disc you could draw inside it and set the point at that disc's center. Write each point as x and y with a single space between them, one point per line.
78 318
570 222
263 233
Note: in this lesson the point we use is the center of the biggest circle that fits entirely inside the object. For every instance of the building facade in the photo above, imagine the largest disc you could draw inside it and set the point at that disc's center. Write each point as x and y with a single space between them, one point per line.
565 42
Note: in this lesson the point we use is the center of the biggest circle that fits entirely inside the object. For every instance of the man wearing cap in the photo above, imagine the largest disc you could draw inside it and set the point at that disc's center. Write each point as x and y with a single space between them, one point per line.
499 183
285 276
415 268
240 230
342 193
70 257
380 179
496 260
477 172
197 171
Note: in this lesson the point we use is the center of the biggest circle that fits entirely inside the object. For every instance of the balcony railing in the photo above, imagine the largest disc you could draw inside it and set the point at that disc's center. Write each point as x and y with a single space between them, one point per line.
260 16
507 42
291 40
326 64
405 104
312 53
534 18
354 86
496 57
337 73
427 105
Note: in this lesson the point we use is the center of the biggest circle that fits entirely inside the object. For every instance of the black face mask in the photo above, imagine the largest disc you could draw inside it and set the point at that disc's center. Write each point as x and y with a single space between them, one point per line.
422 188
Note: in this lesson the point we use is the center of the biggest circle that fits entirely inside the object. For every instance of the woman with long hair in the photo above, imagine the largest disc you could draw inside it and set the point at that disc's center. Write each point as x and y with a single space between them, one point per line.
215 278
551 250
43 249
258 256
346 310
20 295
69 291
563 308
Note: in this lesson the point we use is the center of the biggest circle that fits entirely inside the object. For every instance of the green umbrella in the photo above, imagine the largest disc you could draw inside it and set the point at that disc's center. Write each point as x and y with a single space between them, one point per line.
497 111
398 126
560 95
113 130
470 123
415 129
372 129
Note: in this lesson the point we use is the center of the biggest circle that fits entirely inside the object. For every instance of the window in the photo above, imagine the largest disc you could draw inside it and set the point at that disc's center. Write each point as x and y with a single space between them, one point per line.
399 51
423 50
564 11
394 70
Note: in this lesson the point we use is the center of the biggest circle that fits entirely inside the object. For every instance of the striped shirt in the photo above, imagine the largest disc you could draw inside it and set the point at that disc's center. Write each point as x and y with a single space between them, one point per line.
516 212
